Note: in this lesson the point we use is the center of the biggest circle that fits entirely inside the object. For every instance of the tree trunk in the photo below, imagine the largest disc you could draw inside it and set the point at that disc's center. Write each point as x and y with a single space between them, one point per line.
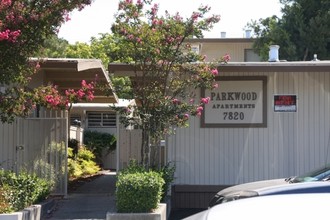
145 148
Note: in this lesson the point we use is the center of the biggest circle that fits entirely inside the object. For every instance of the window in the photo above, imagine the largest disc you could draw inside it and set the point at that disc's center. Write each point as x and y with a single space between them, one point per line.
101 119
251 56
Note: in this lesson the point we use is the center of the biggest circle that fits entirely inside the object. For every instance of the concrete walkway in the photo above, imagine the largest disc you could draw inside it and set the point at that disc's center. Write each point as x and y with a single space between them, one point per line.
90 201
94 199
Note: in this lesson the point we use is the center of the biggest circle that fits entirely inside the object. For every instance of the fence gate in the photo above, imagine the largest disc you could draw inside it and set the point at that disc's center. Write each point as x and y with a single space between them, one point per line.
37 145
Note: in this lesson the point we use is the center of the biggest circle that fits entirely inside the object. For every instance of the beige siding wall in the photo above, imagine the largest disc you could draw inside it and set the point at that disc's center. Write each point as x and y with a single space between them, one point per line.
215 50
291 144
8 141
37 145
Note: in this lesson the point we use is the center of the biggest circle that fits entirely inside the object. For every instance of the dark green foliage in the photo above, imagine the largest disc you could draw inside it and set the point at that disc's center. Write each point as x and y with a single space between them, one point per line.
99 142
303 30
167 173
74 144
23 189
138 192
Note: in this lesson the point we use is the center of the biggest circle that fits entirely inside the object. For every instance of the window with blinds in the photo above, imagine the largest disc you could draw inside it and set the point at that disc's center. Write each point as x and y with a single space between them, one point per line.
101 119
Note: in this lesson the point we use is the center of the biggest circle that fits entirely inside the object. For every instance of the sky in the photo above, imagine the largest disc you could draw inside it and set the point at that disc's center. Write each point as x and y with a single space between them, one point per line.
235 14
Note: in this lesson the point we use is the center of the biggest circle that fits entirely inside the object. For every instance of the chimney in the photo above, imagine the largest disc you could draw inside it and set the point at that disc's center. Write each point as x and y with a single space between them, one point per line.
223 34
247 33
273 53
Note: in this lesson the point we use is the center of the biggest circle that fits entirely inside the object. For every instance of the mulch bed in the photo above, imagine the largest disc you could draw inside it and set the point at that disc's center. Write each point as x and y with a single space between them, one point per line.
74 184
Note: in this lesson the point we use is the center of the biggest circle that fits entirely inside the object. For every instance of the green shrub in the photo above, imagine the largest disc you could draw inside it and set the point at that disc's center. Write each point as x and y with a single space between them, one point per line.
138 192
99 142
74 169
82 164
5 206
133 167
167 173
22 190
85 154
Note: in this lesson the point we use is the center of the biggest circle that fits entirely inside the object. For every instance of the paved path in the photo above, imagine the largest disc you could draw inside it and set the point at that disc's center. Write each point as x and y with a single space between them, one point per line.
90 201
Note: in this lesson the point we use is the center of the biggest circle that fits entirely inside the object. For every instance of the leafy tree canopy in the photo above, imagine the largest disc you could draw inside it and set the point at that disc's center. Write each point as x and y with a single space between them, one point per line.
303 30
167 73
24 26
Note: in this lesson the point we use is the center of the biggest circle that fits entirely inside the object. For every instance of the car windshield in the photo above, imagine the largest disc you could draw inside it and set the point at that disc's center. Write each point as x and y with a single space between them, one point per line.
320 174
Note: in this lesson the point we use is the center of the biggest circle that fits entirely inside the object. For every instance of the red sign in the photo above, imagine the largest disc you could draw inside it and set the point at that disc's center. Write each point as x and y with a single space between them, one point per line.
285 103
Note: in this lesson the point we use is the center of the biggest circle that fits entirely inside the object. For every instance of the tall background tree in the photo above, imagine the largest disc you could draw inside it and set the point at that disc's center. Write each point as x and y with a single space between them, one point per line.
24 27
167 73
302 31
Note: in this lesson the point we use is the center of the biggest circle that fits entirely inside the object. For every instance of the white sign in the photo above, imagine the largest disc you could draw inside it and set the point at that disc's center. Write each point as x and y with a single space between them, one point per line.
237 102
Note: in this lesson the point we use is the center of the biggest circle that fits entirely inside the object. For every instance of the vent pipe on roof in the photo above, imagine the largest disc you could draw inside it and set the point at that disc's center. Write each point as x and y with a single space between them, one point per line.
247 33
273 53
223 34
315 58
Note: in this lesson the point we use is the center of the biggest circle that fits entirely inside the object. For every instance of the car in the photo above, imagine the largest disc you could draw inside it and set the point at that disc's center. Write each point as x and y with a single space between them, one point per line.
321 174
285 206
298 188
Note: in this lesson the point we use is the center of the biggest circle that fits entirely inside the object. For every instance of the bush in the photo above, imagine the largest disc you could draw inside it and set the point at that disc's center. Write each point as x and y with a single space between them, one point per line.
138 192
133 167
81 165
97 142
166 172
21 191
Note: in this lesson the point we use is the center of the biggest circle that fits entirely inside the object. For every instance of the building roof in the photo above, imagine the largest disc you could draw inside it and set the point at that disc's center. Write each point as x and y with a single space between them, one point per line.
121 69
103 106
69 72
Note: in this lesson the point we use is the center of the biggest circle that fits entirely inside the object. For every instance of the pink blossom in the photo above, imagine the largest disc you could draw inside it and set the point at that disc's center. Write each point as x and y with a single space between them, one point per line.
37 65
5 3
175 101
138 40
186 116
205 100
195 15
200 108
215 85
83 83
80 93
214 72
226 57
130 37
67 17
90 97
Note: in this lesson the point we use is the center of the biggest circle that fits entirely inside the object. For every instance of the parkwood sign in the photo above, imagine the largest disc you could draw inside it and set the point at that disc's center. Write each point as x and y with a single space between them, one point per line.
237 102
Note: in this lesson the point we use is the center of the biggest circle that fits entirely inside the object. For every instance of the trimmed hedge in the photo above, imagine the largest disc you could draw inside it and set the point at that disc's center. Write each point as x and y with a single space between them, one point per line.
138 192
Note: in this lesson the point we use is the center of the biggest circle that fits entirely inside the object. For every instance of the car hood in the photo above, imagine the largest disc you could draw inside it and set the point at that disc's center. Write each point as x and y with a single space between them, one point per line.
252 186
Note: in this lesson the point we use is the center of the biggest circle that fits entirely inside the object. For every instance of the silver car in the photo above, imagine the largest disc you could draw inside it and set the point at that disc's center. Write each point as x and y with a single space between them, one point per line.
250 189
